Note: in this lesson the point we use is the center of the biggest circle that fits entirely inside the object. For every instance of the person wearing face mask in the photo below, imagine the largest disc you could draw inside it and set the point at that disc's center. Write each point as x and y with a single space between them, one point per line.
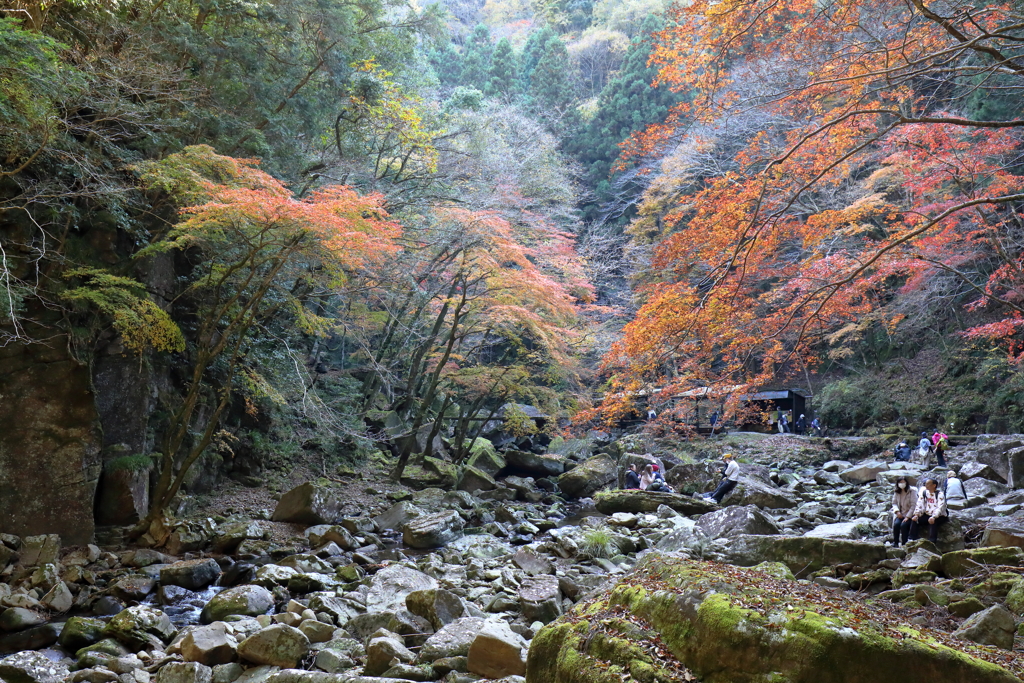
904 500
930 510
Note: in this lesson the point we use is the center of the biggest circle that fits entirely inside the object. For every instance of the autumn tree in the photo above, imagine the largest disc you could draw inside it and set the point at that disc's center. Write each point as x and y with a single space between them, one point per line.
254 250
859 182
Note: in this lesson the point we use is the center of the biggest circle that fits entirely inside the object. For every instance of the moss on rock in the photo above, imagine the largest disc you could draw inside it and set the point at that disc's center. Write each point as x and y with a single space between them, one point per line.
731 625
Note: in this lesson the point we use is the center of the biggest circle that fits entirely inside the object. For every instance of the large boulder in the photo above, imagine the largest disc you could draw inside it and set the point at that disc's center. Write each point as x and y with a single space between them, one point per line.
398 515
277 645
610 502
137 627
589 477
848 530
35 638
308 504
961 563
543 465
184 672
980 469
864 473
249 600
473 479
483 457
540 598
750 491
434 530
32 667
382 650
453 640
736 521
209 645
438 606
497 652
391 585
993 626
39 550
191 574
802 554
79 632
19 619
732 625
984 488
1009 532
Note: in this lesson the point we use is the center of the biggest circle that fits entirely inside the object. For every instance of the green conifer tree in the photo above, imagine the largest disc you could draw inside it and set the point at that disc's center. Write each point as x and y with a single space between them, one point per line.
533 51
447 64
476 61
627 104
551 85
504 76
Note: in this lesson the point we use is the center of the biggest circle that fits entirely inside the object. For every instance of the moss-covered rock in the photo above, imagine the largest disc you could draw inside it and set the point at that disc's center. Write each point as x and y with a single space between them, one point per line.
610 502
966 562
731 625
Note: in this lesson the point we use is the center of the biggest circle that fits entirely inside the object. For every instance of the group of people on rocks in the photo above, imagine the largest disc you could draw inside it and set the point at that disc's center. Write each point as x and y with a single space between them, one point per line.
649 479
913 508
937 443
783 420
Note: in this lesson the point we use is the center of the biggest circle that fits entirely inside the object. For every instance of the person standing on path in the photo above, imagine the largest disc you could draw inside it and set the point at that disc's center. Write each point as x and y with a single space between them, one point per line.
930 510
801 424
904 502
941 442
729 480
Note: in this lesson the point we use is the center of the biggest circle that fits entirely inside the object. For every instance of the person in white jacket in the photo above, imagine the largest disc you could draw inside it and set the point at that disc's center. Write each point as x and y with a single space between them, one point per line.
729 481
930 510
904 502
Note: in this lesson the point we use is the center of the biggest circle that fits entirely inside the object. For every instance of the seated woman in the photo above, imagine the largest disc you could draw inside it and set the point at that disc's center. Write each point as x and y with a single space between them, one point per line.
632 478
930 510
904 501
954 490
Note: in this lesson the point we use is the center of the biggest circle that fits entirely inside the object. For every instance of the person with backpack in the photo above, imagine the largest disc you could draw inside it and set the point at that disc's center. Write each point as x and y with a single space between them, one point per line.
801 424
783 424
729 479
904 502
816 426
930 510
659 483
924 449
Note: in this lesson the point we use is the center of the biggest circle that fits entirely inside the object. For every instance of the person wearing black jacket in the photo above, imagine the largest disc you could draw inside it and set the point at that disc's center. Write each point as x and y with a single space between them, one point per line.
632 478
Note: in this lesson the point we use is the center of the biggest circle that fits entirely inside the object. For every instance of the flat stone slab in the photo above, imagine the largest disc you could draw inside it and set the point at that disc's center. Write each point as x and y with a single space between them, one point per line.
610 502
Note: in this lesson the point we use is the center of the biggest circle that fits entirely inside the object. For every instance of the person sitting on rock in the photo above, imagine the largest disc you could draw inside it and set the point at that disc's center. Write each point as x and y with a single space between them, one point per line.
954 490
902 452
729 480
659 479
904 502
649 481
632 478
931 509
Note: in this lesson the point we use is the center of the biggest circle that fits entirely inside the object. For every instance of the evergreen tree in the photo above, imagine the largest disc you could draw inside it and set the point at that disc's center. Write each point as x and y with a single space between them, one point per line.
627 104
504 75
447 64
551 85
476 62
533 51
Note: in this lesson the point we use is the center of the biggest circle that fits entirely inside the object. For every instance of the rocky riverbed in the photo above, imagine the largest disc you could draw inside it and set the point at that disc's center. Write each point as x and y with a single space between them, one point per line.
535 566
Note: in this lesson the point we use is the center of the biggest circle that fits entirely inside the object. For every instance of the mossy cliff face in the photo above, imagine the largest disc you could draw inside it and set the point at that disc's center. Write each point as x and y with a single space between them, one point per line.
678 620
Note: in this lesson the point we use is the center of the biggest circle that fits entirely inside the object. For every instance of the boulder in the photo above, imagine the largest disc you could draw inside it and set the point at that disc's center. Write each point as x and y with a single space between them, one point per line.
864 473
390 586
534 464
750 491
970 470
984 488
209 645
610 502
32 667
847 530
39 550
735 521
532 563
473 479
308 504
184 672
277 645
229 536
589 477
967 562
540 598
134 588
496 652
1008 533
397 516
249 600
434 530
382 650
35 638
803 555
79 632
483 457
702 613
137 626
993 626
453 640
191 574
687 536
19 619
438 606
